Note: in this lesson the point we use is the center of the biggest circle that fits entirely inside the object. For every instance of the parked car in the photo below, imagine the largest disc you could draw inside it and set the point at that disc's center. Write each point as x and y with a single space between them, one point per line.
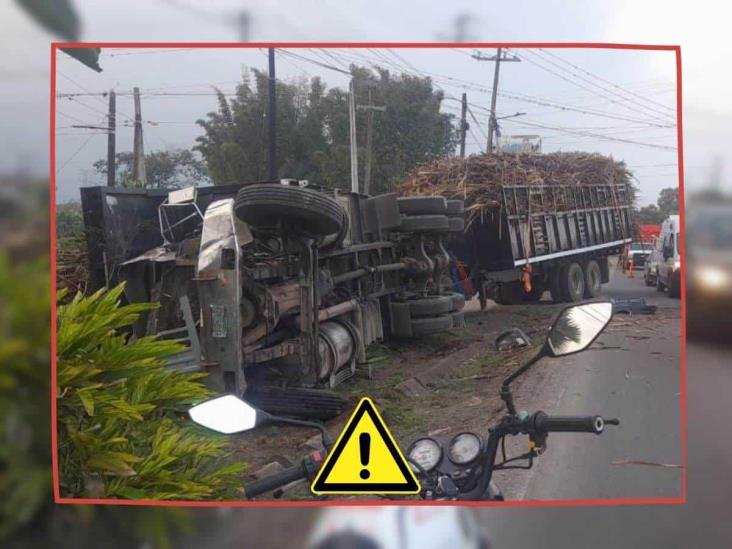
668 257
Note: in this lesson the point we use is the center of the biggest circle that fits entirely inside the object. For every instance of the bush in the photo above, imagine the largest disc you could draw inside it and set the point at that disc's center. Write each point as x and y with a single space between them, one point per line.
122 432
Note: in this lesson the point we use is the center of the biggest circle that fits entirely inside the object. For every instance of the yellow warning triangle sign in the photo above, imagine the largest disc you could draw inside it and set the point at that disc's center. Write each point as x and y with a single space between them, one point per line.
365 459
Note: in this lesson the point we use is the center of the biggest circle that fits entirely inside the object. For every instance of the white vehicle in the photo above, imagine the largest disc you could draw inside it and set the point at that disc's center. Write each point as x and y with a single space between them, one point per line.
667 256
400 527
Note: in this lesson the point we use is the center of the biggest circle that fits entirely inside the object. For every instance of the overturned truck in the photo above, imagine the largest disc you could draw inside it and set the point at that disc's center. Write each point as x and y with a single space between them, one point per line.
277 287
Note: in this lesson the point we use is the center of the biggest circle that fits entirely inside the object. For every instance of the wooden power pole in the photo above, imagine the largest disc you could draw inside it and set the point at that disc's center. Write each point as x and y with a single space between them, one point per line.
352 136
370 109
138 149
111 136
272 117
463 124
499 58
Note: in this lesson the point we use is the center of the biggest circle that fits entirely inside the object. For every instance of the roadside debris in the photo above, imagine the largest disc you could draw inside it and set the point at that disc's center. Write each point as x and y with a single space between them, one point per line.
633 306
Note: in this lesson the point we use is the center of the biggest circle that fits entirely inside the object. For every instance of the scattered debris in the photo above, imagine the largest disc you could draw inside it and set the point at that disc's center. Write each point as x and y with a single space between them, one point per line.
633 306
411 388
643 462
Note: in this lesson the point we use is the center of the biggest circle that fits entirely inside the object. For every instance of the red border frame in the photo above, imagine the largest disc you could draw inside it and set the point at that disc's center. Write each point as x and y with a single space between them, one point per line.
209 45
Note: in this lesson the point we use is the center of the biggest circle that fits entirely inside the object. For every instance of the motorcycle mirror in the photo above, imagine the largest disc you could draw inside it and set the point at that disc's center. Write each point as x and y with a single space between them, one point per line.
226 414
577 327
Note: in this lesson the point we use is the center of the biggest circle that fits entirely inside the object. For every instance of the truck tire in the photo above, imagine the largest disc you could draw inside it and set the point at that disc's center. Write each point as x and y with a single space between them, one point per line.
554 288
593 279
455 207
265 204
572 282
429 306
424 223
431 325
422 205
456 224
297 401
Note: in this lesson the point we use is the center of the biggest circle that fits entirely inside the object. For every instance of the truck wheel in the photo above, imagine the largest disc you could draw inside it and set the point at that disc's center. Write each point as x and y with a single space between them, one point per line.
554 288
424 223
456 224
266 204
572 282
301 402
431 325
455 207
422 205
593 279
429 306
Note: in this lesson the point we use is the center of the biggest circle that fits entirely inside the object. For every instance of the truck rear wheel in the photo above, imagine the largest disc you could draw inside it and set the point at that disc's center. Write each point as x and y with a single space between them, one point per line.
422 205
593 279
429 306
424 223
572 282
266 204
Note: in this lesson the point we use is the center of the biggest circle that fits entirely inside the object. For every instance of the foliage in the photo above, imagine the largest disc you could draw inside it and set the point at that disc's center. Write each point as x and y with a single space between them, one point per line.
119 430
667 204
164 169
313 129
25 476
69 220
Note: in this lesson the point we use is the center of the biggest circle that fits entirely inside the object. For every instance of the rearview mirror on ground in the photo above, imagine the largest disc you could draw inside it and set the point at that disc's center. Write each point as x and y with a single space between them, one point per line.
226 414
577 327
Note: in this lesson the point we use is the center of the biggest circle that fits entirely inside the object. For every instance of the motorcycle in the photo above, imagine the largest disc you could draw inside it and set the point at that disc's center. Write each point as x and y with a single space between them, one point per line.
461 468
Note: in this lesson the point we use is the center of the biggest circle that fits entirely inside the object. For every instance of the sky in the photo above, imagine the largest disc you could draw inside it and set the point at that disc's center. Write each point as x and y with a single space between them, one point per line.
633 90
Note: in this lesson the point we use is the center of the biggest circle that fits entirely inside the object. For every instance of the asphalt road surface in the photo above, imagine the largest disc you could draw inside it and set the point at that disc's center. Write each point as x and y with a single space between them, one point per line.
632 372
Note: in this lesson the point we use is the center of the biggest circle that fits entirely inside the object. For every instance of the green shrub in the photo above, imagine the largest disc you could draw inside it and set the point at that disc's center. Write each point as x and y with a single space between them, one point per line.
122 432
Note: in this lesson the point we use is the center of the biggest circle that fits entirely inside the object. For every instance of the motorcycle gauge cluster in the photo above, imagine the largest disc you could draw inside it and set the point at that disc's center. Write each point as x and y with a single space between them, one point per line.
464 448
426 453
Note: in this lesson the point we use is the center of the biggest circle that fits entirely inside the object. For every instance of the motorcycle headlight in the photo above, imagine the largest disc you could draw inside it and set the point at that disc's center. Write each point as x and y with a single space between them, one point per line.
713 277
464 448
425 452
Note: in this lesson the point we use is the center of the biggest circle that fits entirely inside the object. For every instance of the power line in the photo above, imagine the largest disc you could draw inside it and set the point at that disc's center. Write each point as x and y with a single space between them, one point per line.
77 151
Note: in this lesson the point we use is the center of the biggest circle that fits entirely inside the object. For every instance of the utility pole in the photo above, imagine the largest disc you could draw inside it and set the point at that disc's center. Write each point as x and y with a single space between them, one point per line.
463 124
111 136
499 58
138 150
272 116
352 135
370 109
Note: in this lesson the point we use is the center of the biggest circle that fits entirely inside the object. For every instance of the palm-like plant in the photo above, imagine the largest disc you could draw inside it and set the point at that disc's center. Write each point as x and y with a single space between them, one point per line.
121 430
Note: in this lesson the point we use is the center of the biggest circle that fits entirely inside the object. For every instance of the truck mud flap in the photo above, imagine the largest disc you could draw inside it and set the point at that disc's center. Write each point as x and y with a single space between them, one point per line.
297 401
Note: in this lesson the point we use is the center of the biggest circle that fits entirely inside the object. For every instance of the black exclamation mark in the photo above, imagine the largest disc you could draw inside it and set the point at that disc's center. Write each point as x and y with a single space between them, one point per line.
364 444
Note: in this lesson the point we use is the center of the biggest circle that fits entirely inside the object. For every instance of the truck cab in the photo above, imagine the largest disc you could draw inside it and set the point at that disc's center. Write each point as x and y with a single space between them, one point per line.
668 257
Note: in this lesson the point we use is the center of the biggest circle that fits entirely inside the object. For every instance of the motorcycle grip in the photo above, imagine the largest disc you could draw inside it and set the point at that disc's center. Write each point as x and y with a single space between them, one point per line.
267 484
568 424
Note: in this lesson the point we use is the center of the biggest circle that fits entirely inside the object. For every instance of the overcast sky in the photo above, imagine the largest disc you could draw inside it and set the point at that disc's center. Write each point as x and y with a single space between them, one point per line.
634 90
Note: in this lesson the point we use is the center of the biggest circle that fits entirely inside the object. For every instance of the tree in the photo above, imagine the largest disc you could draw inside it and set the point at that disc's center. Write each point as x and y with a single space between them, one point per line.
165 169
668 201
650 215
313 129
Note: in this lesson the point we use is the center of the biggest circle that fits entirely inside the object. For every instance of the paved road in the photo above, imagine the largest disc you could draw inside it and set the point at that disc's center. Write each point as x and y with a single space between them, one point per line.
704 521
622 287
633 373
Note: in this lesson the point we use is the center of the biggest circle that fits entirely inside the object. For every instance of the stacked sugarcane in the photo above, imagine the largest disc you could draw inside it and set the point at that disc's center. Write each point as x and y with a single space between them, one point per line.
478 179
72 271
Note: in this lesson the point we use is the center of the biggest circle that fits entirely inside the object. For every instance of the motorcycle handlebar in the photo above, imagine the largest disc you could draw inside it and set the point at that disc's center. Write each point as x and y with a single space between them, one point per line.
267 484
571 424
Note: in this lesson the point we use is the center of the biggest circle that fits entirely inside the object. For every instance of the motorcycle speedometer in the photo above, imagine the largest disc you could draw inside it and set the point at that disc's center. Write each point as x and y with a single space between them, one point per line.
425 452
464 448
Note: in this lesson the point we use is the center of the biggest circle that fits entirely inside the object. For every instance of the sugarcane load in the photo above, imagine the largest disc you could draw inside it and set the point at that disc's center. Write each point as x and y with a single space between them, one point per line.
533 222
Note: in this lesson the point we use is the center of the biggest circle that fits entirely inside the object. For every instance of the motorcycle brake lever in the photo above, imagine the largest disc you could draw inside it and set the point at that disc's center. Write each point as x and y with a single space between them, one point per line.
614 421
